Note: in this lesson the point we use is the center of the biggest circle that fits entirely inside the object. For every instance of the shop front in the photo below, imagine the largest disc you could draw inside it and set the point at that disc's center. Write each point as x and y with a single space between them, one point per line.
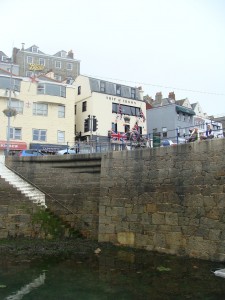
14 147
47 148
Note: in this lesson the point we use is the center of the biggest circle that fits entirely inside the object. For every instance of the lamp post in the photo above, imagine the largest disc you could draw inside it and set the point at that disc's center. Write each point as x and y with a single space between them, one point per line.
9 112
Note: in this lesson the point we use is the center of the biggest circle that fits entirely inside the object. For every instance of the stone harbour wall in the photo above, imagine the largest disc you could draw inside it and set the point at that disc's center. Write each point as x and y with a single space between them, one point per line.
16 213
71 184
170 199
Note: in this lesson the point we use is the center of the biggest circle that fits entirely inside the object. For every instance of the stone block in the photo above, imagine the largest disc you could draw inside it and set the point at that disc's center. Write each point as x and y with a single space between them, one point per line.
171 218
158 218
151 208
126 238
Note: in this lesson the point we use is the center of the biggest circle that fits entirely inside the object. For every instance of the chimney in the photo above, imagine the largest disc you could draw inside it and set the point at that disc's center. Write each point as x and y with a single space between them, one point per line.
158 96
172 96
141 92
15 51
70 54
23 44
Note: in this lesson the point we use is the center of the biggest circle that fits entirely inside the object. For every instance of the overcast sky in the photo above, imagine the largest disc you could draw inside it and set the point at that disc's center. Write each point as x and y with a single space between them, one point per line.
161 45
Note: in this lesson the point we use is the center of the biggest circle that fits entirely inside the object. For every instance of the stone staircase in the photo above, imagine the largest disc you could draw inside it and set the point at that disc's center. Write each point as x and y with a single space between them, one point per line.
31 192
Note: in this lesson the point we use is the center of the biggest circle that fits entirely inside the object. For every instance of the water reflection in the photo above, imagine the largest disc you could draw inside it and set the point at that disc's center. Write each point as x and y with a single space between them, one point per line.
112 275
27 288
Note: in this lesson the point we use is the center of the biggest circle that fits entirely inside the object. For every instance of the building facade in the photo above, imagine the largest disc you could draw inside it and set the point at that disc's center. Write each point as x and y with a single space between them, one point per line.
32 60
117 108
170 121
173 119
42 113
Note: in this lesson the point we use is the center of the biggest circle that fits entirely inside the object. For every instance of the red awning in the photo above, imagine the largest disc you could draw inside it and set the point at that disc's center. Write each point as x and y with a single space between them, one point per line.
13 145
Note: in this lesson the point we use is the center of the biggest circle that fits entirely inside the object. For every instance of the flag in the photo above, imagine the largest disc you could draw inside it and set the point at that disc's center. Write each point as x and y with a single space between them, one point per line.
34 79
142 115
135 127
118 136
135 134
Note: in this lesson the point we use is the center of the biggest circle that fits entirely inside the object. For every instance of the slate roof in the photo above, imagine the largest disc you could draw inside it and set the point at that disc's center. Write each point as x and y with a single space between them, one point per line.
110 89
30 49
2 54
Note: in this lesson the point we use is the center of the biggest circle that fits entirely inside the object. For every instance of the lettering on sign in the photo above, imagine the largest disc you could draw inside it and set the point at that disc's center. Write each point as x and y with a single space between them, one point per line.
118 100
36 67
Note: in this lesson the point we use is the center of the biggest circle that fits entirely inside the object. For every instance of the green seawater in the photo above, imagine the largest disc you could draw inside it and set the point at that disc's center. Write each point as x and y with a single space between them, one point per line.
110 275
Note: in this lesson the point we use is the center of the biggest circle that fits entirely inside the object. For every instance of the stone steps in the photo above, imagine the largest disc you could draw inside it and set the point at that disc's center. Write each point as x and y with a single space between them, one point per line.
31 192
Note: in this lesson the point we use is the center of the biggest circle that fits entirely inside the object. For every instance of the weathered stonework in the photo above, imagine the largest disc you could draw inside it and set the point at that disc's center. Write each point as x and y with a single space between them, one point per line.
169 199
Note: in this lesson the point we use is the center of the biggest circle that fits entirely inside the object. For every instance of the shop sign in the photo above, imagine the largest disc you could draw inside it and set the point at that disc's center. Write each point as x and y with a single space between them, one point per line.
13 145
36 67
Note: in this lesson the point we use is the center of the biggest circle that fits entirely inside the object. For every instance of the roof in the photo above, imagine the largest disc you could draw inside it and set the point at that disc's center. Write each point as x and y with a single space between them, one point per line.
2 54
30 49
180 102
193 105
111 89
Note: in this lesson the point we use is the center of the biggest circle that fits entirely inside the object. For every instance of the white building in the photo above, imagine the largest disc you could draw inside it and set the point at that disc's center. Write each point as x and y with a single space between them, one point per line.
116 108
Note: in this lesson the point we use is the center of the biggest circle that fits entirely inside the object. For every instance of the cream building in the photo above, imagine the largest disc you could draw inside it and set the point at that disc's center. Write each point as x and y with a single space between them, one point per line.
44 113
115 106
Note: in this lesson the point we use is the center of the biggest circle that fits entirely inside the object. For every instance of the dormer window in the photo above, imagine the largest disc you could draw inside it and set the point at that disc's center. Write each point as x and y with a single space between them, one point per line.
102 86
63 53
118 89
132 93
34 49
4 58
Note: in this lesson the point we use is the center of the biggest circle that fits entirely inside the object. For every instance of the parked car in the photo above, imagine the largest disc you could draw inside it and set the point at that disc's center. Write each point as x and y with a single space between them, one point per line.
79 149
30 152
66 151
167 142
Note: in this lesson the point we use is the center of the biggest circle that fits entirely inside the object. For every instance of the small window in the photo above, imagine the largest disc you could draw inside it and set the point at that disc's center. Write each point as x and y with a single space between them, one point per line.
40 109
84 106
164 131
132 93
35 49
29 59
114 127
29 73
69 66
79 90
39 135
41 61
41 88
61 136
63 54
4 58
61 111
18 105
75 109
118 89
15 133
58 64
102 86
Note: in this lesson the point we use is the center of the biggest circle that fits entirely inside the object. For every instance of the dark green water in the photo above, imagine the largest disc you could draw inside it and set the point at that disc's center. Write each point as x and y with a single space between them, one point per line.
111 275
